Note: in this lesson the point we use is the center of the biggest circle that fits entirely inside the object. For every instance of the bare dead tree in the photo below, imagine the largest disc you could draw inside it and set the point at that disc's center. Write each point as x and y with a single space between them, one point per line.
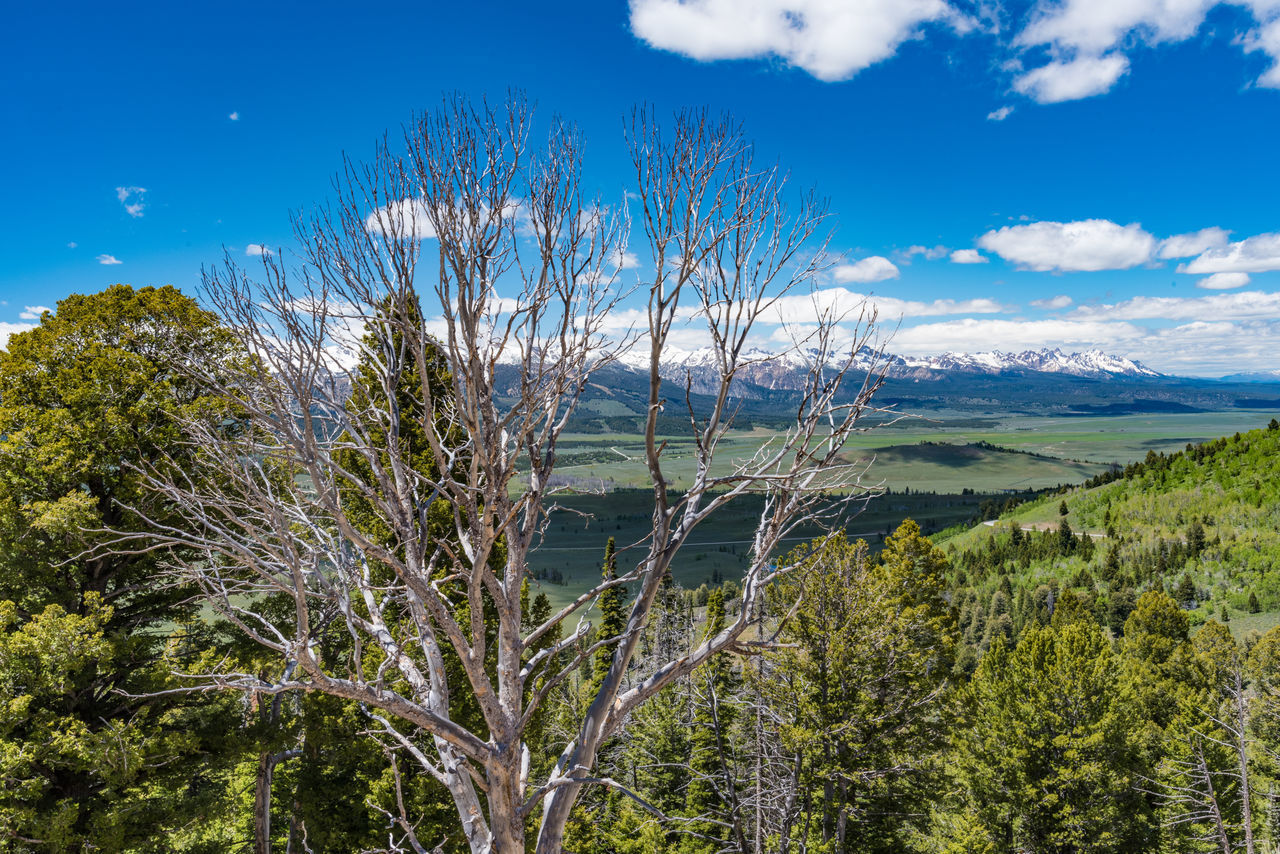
525 281
1201 794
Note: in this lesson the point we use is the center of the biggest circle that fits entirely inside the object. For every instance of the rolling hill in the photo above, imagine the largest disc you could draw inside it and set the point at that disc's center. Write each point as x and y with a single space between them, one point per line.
1202 524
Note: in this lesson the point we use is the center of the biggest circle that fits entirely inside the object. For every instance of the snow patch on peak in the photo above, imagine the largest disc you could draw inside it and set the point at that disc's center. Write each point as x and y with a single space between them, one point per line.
1089 363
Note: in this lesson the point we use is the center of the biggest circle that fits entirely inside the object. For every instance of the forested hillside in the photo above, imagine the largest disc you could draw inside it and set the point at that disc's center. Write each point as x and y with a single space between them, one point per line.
1202 525
1031 687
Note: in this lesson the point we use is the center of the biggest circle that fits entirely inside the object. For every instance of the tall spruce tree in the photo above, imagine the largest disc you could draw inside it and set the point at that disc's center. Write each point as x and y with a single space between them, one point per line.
710 796
613 616
1049 759
340 784
860 685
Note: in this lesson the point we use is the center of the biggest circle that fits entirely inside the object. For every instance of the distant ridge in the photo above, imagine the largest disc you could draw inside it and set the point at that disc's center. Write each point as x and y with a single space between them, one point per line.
1253 377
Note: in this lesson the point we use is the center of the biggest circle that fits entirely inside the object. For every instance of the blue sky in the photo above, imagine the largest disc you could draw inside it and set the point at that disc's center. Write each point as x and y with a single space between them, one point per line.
1106 167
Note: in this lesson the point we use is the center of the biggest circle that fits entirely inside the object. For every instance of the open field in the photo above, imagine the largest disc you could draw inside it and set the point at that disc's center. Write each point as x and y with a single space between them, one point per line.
1081 446
926 465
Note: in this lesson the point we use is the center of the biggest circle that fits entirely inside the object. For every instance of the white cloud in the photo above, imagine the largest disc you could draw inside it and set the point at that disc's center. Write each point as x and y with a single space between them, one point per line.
1087 245
33 312
108 259
875 268
72 245
1087 40
1257 254
235 117
1096 26
133 199
1058 302
968 256
1000 114
972 335
1078 78
624 260
803 308
7 329
256 250
1083 47
1242 305
1224 281
1193 243
830 39
930 253
1266 38
401 217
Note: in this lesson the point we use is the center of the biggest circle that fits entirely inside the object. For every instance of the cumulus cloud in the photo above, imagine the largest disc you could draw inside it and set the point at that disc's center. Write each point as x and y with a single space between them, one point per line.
1266 38
968 256
1224 281
1000 114
1193 243
930 253
1087 245
1081 48
256 250
624 260
1087 40
404 216
803 308
1242 305
875 268
1060 301
33 312
1095 27
977 334
1196 348
830 40
1079 78
108 259
133 199
1257 254
7 329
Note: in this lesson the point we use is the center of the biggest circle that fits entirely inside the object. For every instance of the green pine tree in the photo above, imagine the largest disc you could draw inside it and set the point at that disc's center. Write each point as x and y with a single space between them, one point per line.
709 792
613 616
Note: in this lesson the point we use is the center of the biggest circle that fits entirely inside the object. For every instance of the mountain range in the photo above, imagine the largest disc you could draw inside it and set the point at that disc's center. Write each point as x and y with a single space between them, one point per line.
768 387
787 370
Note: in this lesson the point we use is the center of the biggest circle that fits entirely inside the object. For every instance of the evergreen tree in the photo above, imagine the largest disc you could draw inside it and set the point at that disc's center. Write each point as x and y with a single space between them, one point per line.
340 772
1195 538
1049 757
613 616
90 756
709 797
1186 592
1066 539
861 683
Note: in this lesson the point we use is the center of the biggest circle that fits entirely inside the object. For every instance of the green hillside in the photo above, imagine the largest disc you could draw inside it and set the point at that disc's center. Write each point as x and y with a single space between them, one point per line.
1202 525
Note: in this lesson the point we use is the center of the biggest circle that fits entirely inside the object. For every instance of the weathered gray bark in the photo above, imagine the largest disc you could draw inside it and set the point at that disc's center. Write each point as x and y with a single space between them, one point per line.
525 273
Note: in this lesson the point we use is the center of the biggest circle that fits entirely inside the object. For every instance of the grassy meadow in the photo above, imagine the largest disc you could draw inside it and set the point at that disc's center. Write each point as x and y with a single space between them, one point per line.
937 472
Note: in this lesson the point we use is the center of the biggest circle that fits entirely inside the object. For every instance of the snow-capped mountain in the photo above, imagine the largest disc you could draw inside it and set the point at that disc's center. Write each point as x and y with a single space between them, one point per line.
786 370
1090 363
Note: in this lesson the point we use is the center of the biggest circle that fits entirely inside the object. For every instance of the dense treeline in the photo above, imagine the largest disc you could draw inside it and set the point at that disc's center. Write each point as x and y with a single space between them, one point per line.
880 723
1061 681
